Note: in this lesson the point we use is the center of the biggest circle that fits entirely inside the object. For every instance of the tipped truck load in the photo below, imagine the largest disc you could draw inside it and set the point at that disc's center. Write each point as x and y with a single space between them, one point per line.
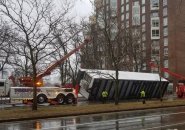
93 82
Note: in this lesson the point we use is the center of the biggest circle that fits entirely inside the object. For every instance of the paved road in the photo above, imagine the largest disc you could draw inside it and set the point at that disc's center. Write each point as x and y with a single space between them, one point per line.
158 119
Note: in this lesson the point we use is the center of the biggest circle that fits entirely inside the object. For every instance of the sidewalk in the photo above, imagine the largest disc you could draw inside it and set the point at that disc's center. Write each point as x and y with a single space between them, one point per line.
25 113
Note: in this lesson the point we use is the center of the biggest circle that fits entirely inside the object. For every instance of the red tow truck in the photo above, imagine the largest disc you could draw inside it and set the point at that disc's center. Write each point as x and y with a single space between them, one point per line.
24 92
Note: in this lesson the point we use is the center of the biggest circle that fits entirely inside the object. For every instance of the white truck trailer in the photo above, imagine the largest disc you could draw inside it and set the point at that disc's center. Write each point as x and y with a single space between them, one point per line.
93 82
44 94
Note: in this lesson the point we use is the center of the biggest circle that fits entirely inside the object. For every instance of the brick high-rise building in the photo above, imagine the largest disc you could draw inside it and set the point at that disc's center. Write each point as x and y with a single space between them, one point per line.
161 24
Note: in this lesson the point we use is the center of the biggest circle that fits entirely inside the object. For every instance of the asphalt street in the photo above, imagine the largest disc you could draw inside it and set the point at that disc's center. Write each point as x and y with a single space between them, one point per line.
155 119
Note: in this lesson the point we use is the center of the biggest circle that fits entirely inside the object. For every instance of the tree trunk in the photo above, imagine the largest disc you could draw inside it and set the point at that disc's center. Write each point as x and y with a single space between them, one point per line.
34 107
116 88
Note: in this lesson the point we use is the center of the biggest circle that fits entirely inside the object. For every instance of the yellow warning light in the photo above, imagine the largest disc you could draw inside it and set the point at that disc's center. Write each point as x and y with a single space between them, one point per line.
39 84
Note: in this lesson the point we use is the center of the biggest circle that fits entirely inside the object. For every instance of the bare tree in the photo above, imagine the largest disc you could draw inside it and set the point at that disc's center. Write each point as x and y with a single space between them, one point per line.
6 41
119 45
35 21
68 37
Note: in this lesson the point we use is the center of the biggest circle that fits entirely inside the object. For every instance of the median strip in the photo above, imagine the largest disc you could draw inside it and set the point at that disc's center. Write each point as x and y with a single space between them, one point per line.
26 113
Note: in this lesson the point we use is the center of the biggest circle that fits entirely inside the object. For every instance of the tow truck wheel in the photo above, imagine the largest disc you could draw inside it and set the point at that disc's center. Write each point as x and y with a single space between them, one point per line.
41 98
70 99
60 99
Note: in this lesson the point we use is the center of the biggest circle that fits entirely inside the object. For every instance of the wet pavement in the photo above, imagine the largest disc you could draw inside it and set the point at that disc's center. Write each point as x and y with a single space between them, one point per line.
156 119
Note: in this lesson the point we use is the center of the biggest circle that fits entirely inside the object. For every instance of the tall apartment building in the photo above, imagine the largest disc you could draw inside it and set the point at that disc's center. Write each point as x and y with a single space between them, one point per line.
162 26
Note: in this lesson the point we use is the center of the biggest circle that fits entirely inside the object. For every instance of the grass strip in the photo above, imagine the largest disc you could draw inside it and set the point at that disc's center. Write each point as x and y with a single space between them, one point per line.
70 110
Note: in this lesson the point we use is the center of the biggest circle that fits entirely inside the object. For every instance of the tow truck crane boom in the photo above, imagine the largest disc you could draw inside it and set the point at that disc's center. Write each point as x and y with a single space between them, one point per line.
61 61
27 81
178 76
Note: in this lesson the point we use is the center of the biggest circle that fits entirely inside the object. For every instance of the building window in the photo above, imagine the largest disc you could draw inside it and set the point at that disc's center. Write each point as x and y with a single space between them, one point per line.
136 13
165 51
106 1
155 51
166 75
122 9
113 31
165 21
143 2
127 24
122 17
165 12
143 46
154 15
164 2
155 43
136 3
143 9
154 4
136 20
144 66
122 2
155 48
143 18
134 33
155 58
144 37
127 7
127 1
165 31
155 33
165 63
107 17
155 22
155 28
107 8
143 28
127 15
113 4
165 41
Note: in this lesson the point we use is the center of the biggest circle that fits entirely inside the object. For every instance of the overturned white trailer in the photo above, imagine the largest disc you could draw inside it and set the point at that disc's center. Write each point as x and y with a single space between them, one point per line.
93 82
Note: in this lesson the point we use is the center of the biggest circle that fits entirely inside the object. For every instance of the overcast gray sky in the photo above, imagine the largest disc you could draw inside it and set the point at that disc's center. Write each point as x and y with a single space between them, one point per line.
83 8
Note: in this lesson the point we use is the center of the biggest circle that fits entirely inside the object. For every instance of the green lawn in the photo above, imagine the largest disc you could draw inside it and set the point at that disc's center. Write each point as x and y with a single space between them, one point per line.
23 113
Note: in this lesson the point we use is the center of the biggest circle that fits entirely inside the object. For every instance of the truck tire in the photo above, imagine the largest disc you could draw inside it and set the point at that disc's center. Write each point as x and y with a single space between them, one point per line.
60 98
41 98
70 99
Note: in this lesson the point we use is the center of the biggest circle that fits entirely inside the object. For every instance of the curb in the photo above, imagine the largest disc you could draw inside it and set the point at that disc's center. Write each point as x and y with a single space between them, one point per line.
87 113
